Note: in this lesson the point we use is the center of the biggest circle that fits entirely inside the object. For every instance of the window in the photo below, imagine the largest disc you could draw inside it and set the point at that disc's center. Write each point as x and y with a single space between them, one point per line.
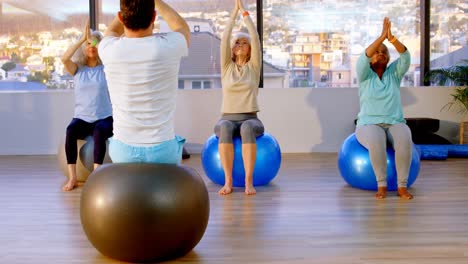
32 42
305 42
181 84
317 36
207 20
196 84
206 85
322 37
201 85
448 39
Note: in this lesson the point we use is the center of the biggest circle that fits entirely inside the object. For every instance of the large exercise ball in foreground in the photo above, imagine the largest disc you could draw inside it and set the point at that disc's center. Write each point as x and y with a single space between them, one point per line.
267 164
144 212
85 158
356 169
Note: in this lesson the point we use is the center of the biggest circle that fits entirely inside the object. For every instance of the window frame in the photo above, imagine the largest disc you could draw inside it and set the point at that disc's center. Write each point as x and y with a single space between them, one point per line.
425 10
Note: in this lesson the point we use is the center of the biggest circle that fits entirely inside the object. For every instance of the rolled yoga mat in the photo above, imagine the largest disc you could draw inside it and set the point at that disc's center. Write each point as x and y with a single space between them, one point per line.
442 152
457 151
433 152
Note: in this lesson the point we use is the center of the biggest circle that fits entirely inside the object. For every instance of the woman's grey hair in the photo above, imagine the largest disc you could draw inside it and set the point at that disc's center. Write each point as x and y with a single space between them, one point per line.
79 57
235 37
239 35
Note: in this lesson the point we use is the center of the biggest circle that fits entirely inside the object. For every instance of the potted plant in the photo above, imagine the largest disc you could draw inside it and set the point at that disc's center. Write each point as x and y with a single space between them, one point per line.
456 75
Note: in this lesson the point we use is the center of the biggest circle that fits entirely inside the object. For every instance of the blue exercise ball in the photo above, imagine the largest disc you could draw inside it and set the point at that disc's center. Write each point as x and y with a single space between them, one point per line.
356 168
137 212
267 164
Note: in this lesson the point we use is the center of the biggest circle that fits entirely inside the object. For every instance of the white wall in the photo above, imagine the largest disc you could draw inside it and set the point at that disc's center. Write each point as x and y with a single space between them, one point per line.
33 122
301 119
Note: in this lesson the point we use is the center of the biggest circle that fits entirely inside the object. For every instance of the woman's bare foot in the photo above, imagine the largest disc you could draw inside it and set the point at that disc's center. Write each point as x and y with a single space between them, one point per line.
250 190
404 194
227 189
70 185
381 193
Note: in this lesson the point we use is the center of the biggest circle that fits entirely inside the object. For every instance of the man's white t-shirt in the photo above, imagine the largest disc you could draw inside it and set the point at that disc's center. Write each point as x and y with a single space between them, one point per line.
142 79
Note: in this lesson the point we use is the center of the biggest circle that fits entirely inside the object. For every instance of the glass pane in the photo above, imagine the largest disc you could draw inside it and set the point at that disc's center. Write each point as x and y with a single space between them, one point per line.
181 84
206 19
448 42
318 42
196 85
33 37
206 85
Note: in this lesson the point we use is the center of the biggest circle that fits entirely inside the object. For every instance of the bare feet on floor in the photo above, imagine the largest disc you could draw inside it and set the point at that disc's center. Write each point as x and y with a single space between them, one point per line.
70 185
227 189
250 190
381 193
404 194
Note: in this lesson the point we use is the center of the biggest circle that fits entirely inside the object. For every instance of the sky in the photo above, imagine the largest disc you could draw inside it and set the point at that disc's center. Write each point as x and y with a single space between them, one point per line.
54 8
60 9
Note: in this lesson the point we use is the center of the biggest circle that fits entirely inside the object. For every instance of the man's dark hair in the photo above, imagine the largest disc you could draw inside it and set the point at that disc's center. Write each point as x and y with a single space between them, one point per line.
136 14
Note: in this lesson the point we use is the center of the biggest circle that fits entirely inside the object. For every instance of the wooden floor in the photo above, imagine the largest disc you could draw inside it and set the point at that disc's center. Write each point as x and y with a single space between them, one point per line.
306 215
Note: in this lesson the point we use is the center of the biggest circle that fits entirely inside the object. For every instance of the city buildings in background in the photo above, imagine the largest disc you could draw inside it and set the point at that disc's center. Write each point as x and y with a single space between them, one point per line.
306 43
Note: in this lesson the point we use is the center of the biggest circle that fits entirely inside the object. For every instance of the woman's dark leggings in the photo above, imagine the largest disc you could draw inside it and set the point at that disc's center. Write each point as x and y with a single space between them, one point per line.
248 126
101 130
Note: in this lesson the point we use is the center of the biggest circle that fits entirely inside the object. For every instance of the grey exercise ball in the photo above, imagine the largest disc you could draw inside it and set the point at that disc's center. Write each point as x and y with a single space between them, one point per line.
138 212
86 154
85 158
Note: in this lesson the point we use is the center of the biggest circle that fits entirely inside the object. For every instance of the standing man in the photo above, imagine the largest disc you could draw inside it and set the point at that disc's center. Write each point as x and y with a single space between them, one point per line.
142 69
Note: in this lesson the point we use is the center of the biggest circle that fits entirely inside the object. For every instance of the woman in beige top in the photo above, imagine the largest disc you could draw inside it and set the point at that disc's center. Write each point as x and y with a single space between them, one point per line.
240 75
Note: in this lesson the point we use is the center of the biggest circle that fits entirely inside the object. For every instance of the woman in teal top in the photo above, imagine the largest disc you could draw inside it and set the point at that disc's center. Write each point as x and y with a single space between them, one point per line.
381 115
93 109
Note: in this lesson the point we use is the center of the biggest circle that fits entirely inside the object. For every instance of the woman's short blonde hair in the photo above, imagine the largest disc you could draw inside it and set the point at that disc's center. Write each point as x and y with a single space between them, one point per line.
79 57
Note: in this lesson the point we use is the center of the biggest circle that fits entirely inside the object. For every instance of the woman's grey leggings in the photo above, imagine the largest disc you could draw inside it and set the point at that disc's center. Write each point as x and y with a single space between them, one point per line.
248 126
374 139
